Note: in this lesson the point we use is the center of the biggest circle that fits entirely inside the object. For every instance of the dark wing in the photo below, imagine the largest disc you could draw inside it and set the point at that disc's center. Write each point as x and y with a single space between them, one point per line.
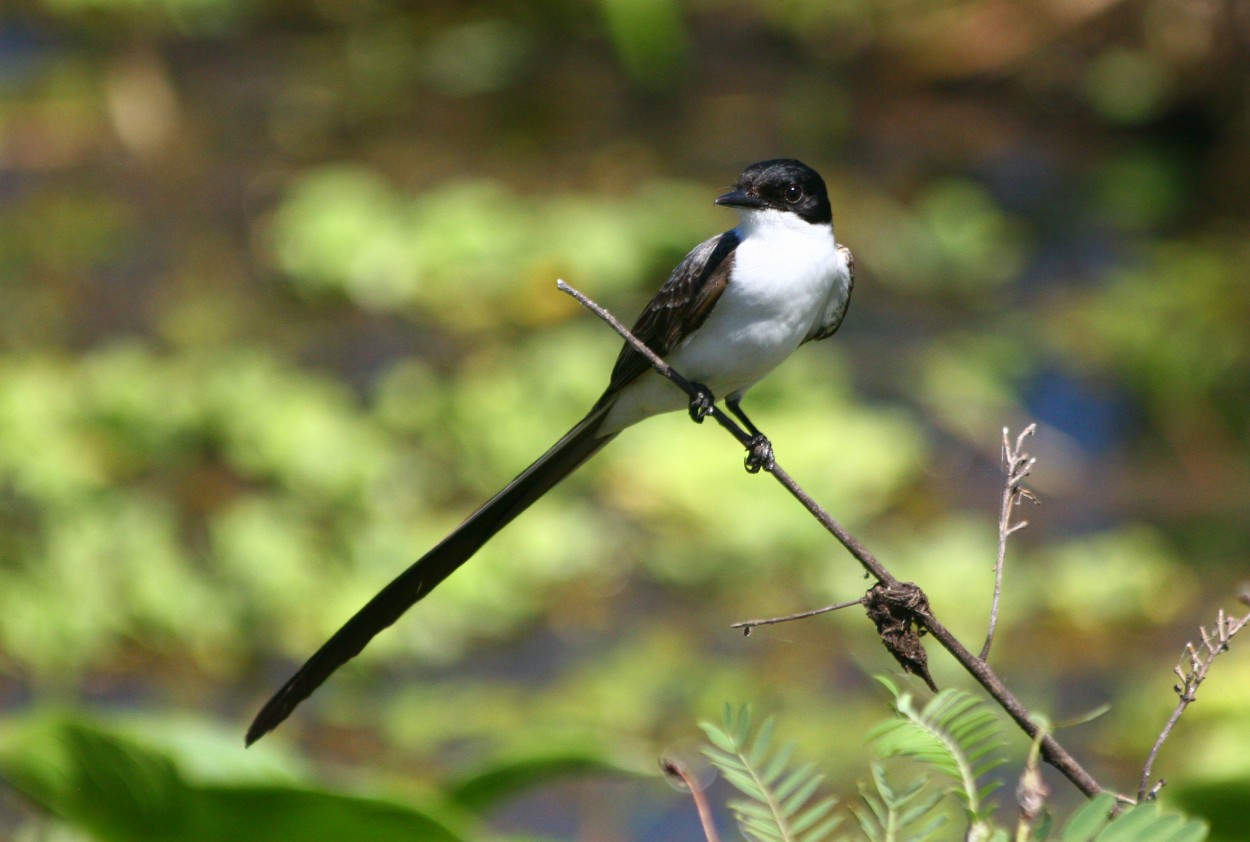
833 318
679 308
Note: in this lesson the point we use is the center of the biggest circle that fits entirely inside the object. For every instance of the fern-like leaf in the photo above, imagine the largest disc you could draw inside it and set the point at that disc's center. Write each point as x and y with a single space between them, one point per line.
781 803
954 734
895 814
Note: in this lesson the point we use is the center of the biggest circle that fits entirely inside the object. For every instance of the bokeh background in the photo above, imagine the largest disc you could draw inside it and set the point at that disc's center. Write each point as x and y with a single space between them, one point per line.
278 308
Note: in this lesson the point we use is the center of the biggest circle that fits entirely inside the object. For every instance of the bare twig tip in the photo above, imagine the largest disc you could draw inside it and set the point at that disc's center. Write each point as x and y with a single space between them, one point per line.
1192 671
1017 465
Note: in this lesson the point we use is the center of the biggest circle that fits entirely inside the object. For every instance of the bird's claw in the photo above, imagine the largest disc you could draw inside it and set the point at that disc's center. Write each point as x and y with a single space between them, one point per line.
701 404
759 454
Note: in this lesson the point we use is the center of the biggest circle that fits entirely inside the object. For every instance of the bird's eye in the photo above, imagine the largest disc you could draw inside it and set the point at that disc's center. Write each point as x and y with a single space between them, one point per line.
794 193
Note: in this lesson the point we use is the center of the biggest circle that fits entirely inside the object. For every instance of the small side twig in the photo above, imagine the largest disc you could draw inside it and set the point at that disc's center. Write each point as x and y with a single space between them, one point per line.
748 625
1016 466
678 770
1192 670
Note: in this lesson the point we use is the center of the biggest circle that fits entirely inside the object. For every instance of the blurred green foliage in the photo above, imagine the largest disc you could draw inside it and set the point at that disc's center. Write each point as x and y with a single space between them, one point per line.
189 786
278 308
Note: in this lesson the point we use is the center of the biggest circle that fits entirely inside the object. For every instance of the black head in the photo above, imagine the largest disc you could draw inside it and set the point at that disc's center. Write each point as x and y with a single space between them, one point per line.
783 184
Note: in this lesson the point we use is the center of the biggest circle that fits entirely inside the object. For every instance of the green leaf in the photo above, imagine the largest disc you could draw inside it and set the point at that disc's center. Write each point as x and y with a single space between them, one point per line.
806 788
1144 822
487 788
718 738
763 738
1192 831
896 812
951 734
780 805
1132 824
811 816
1087 822
648 36
116 789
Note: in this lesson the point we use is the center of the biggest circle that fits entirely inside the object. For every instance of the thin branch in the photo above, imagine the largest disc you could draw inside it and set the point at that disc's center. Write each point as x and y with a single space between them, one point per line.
748 625
875 568
678 770
1016 466
1054 753
1196 661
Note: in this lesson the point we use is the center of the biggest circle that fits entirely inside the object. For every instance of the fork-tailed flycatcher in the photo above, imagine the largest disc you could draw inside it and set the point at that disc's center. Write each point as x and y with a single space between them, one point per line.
732 310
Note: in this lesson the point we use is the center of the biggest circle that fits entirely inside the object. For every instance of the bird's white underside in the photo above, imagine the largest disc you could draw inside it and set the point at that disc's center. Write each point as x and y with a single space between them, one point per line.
788 275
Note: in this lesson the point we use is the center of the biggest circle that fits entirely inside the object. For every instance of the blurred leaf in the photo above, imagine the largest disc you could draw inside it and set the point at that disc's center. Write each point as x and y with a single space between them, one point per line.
1137 576
1127 86
120 790
476 57
494 784
970 380
193 16
344 226
1191 292
1144 188
1089 820
1093 821
1222 802
648 35
344 229
953 240
1147 823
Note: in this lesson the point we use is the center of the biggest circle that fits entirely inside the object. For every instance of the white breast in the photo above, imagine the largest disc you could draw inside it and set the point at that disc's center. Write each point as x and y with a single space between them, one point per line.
786 273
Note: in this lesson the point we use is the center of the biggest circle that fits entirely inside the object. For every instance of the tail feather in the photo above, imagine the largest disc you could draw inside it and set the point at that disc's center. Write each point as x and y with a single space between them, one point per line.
578 445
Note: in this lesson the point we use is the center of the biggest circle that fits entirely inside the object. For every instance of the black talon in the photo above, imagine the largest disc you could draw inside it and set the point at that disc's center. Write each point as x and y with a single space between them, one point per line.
701 404
759 454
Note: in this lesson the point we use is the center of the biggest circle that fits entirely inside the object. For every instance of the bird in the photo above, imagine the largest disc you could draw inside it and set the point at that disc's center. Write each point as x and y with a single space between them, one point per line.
731 311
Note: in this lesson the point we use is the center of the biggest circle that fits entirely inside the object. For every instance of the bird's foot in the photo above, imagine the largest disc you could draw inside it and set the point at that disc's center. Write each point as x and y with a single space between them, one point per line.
759 454
702 402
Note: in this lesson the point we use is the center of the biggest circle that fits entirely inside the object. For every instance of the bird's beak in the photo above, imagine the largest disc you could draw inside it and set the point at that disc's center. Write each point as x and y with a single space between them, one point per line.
740 199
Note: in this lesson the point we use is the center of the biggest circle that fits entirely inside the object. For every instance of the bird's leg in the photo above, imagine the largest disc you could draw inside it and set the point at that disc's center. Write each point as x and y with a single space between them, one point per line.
702 402
759 448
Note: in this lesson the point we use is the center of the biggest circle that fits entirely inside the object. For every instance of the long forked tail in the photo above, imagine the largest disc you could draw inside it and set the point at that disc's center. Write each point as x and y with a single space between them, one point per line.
578 445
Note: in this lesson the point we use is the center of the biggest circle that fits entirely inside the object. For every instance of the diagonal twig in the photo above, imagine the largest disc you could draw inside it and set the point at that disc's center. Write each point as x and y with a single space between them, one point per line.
1054 753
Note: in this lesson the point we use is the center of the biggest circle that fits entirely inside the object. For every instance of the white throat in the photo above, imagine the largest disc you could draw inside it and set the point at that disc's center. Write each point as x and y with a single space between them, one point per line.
768 222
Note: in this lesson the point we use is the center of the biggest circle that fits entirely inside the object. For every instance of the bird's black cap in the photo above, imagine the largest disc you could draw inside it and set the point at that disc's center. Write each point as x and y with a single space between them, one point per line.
782 184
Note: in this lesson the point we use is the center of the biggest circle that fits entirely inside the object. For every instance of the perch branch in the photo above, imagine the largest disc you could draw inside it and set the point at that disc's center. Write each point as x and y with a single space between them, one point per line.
1054 753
